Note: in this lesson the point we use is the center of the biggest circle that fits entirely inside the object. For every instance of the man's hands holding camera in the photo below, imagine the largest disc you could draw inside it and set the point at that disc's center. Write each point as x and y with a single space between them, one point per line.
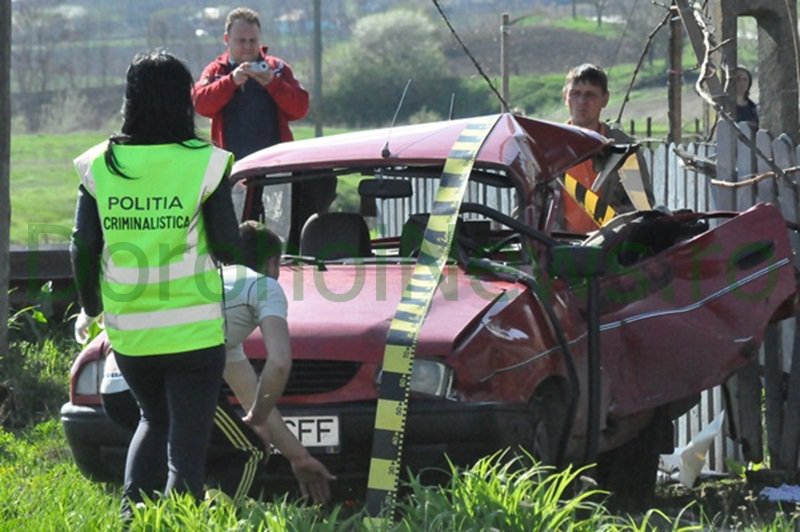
258 70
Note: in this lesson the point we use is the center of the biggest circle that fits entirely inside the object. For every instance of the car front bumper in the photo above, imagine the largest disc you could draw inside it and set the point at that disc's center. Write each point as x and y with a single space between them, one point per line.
435 431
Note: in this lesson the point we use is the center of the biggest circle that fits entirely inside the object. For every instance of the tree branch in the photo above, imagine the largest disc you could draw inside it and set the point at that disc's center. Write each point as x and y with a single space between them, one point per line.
707 71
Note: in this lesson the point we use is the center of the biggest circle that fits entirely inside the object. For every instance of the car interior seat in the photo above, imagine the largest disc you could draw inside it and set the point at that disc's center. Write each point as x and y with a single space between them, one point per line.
335 235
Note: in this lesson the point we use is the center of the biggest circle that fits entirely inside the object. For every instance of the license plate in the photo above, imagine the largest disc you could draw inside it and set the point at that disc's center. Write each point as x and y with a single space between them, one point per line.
315 431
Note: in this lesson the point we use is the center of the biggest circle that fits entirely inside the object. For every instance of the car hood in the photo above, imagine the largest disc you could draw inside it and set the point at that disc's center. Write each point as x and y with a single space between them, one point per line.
515 141
345 311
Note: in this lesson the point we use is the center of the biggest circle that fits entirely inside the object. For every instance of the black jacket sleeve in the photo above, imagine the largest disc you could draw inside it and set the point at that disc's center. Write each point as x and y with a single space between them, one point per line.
221 226
86 248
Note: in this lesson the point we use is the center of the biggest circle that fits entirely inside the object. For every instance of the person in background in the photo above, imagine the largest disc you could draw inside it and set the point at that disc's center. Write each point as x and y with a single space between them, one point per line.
586 95
746 109
253 298
249 95
153 219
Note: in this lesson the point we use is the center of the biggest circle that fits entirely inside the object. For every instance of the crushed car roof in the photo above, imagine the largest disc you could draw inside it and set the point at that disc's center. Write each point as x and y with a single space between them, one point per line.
554 147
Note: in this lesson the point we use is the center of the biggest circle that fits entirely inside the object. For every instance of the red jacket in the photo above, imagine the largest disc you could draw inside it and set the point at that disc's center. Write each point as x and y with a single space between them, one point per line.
216 87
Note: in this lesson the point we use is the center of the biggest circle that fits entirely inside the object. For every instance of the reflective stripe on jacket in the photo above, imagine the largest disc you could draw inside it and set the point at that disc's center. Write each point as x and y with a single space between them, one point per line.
161 289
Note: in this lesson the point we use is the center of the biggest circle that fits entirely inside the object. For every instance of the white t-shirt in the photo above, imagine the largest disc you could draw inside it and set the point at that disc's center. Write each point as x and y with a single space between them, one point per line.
249 298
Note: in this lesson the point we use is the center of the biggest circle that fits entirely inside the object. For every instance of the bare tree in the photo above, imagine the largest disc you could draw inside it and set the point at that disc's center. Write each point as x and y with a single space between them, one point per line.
599 8
5 166
39 29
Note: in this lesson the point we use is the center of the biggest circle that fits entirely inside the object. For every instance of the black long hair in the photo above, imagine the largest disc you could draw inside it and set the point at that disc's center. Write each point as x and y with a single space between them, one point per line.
158 107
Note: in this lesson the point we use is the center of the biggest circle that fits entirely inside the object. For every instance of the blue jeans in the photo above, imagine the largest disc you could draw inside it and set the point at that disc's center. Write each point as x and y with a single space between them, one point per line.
177 395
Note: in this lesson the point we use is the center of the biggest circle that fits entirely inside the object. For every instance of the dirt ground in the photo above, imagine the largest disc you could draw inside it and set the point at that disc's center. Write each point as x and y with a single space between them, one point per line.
728 504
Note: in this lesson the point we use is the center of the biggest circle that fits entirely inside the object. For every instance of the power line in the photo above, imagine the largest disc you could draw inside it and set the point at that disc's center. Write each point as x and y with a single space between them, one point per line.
622 35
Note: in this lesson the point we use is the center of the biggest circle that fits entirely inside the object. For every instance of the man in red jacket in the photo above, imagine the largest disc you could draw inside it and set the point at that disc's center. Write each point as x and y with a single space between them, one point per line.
249 96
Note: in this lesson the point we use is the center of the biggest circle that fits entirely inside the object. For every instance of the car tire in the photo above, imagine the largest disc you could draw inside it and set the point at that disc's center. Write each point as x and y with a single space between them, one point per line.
549 410
629 472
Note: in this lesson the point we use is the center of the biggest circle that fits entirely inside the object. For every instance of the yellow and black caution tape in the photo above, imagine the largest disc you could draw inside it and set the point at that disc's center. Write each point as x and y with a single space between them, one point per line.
600 211
401 340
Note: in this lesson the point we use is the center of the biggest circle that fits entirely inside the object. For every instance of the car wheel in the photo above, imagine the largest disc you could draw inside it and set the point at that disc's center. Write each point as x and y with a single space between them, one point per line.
549 409
629 472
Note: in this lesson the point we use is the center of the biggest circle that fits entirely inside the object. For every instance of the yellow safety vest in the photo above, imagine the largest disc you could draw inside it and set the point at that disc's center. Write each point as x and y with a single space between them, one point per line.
161 289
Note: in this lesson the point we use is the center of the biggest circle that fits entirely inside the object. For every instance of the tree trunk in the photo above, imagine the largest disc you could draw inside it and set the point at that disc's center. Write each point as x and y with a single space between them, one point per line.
5 166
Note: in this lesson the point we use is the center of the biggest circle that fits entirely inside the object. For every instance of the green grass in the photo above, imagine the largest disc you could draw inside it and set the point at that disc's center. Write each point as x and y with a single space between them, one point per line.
44 184
40 489
588 25
581 24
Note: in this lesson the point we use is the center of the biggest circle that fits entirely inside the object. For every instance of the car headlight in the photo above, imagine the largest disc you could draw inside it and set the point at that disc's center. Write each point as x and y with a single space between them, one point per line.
89 378
429 377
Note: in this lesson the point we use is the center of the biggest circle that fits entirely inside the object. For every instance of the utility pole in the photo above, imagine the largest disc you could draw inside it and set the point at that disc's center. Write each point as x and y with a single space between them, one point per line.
318 107
675 80
5 167
504 25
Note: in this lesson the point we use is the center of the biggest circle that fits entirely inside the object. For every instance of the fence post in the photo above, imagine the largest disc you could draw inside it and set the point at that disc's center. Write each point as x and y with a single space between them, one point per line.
725 198
783 151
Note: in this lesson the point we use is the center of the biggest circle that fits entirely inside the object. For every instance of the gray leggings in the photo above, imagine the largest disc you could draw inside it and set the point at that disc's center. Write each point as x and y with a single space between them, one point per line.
177 395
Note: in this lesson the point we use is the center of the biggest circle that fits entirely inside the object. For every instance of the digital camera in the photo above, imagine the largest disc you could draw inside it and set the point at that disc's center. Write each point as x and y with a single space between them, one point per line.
261 66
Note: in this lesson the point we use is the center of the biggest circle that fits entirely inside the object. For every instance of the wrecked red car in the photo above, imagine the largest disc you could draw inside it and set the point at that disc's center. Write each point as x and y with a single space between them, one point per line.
578 348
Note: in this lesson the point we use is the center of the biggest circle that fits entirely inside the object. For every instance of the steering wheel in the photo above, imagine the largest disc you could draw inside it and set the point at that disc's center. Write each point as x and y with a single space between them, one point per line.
497 246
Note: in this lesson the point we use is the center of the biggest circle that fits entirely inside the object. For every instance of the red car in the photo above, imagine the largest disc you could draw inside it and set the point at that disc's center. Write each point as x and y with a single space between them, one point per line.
579 349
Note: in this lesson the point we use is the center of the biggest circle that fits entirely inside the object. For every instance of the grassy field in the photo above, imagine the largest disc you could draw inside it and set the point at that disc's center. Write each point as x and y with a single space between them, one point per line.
44 183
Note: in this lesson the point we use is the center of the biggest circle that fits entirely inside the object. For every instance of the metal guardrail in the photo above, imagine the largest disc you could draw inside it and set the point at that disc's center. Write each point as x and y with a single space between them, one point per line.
30 270
42 264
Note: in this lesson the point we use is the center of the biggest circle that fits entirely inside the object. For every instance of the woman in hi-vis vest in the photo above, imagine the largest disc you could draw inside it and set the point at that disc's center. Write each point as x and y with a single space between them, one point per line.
154 218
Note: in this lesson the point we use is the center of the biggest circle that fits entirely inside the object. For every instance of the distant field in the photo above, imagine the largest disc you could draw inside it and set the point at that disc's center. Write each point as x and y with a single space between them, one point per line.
44 184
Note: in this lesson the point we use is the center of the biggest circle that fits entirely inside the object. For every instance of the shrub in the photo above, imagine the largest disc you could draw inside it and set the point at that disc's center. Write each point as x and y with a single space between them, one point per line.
67 112
35 371
369 73
499 493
